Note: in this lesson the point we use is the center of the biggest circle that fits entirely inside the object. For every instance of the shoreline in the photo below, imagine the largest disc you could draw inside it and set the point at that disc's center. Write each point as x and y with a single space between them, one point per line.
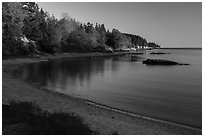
140 115
97 123
90 102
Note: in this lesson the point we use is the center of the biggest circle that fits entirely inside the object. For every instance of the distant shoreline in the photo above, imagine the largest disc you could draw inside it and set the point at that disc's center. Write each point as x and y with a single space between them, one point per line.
183 48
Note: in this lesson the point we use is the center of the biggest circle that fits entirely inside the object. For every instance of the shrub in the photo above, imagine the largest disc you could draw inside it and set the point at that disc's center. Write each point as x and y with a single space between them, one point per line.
43 122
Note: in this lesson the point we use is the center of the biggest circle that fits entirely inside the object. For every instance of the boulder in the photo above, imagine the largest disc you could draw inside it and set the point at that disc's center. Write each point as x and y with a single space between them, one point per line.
161 62
29 45
108 50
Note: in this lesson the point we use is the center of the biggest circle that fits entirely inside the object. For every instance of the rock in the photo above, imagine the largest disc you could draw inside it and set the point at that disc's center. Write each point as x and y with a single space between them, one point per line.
108 50
161 62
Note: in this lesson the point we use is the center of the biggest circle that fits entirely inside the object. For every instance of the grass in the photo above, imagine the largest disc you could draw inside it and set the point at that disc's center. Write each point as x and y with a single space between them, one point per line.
18 115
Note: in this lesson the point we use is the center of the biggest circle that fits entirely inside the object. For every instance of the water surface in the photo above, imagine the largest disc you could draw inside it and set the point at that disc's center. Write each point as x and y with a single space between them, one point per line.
172 93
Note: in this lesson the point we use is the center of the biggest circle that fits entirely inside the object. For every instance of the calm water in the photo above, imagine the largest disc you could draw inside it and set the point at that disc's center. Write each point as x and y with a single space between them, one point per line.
171 93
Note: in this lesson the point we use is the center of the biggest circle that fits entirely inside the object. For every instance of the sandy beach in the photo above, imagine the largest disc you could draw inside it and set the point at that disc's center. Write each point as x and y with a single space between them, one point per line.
100 119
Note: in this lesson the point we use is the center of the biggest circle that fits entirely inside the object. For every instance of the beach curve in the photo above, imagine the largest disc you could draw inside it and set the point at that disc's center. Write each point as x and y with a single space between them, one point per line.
103 120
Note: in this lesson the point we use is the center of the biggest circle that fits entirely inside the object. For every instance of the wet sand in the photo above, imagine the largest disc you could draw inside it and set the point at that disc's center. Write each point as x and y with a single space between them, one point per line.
101 119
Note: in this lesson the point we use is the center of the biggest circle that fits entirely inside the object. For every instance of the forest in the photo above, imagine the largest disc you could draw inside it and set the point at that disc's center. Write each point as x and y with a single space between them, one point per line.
27 29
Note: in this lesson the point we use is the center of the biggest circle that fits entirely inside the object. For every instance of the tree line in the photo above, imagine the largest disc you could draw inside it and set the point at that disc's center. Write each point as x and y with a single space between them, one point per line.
27 29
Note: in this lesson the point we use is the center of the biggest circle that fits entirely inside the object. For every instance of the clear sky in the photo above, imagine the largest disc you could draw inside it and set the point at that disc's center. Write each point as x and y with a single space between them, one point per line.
168 24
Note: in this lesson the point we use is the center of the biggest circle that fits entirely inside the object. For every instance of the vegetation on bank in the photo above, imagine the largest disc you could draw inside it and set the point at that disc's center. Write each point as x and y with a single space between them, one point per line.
28 29
28 118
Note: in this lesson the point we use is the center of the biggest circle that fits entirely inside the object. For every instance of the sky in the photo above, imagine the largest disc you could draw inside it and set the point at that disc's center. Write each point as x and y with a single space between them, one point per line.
167 24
